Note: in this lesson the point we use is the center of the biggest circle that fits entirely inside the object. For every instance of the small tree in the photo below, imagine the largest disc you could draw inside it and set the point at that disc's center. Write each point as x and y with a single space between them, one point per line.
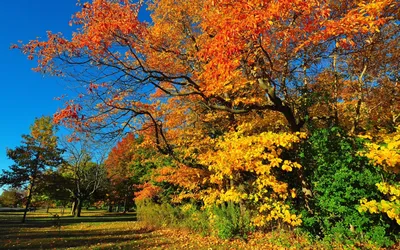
11 198
54 187
38 152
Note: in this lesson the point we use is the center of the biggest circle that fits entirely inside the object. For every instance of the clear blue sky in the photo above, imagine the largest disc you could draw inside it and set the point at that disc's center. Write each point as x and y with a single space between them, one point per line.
25 94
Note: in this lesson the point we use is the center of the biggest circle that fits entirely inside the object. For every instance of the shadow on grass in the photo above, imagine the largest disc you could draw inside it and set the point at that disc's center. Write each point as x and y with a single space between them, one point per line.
58 234
96 232
104 239
8 225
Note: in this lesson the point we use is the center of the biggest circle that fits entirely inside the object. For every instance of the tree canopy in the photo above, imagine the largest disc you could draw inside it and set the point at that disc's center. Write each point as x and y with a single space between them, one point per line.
296 61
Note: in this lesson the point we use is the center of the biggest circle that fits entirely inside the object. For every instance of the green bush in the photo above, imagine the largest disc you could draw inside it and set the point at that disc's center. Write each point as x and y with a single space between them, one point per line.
186 216
195 219
226 221
157 215
230 221
339 178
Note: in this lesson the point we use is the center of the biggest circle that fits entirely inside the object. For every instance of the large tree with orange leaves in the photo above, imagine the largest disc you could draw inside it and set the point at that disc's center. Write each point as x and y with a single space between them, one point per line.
223 60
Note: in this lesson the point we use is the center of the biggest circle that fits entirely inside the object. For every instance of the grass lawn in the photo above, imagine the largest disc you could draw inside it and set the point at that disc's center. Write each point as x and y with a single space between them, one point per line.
94 230
100 230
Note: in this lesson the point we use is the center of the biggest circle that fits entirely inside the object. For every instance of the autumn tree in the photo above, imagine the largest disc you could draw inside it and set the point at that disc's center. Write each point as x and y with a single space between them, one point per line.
39 151
131 165
120 172
11 198
191 53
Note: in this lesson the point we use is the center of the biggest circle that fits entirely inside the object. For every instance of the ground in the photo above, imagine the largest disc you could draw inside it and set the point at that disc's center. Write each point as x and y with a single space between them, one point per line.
100 230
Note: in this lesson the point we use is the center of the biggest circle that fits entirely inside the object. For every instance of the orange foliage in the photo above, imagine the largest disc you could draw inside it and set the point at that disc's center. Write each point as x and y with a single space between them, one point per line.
148 191
117 163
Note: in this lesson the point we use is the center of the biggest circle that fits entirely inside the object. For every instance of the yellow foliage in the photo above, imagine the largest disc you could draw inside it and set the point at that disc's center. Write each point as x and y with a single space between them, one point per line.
386 153
237 153
391 207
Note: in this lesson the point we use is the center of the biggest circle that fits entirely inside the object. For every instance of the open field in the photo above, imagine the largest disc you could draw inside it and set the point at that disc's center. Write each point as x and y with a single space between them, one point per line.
100 230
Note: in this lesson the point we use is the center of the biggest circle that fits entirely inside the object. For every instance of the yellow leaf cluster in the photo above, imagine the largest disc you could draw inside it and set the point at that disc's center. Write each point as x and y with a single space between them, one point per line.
235 154
276 211
386 153
390 207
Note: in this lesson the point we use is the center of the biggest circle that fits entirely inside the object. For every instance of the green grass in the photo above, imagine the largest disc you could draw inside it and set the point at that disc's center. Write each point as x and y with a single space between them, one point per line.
45 230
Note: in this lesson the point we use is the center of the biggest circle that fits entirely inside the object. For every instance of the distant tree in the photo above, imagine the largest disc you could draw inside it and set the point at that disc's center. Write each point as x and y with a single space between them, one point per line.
85 169
121 173
53 188
129 165
39 151
11 198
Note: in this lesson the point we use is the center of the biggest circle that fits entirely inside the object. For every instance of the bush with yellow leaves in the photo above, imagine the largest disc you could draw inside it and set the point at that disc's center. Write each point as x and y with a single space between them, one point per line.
244 171
385 153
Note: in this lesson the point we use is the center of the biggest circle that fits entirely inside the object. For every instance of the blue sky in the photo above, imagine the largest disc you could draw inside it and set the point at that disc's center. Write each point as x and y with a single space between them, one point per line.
25 94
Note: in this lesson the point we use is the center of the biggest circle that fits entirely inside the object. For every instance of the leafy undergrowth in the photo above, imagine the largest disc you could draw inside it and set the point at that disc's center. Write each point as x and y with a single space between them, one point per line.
122 232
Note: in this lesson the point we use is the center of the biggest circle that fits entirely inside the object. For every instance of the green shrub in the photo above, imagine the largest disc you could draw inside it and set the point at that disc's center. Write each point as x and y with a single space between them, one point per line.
157 215
339 178
229 221
226 221
195 219
186 216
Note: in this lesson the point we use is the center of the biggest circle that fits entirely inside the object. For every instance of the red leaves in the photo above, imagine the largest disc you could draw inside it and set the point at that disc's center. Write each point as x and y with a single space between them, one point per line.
70 112
121 155
147 191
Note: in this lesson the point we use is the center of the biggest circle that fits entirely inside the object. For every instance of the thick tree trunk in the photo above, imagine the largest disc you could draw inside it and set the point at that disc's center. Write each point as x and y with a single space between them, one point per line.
110 208
280 106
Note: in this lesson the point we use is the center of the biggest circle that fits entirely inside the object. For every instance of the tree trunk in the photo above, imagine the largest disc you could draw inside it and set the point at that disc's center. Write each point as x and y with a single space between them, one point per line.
306 191
110 208
28 203
360 97
28 199
78 207
125 205
73 208
335 91
280 106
